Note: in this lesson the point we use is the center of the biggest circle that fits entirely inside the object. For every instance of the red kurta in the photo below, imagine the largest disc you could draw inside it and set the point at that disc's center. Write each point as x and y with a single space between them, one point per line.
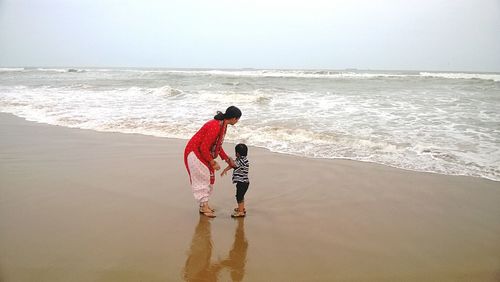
207 145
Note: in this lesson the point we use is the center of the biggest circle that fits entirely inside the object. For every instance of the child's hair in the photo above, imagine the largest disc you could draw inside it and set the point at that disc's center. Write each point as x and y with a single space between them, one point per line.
241 149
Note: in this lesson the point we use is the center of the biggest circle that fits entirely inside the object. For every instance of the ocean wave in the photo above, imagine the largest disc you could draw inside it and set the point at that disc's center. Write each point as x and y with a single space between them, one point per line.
324 74
329 145
11 69
229 73
319 74
452 75
288 74
232 97
51 69
75 70
164 90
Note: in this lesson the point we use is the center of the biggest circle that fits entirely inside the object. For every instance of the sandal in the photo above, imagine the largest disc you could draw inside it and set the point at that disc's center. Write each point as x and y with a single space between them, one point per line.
213 210
238 214
236 209
210 213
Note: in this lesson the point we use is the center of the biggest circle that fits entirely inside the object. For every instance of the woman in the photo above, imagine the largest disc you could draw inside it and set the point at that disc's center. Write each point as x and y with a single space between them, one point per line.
200 154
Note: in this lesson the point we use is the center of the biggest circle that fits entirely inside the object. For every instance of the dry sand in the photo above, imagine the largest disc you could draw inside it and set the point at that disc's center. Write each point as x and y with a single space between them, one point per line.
79 205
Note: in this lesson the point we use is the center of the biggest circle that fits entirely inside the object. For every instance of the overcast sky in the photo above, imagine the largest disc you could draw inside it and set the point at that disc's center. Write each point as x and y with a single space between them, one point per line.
314 34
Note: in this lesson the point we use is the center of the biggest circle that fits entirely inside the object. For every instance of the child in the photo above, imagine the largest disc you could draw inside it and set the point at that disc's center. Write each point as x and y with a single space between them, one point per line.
240 177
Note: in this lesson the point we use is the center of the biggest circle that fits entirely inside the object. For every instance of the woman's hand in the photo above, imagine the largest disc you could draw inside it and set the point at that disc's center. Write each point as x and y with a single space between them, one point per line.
214 165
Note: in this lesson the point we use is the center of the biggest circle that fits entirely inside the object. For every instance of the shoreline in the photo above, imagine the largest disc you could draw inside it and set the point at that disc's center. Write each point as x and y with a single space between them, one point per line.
257 147
82 205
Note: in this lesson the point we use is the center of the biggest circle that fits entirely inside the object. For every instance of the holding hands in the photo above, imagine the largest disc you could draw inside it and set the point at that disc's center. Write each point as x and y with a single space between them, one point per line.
216 166
230 165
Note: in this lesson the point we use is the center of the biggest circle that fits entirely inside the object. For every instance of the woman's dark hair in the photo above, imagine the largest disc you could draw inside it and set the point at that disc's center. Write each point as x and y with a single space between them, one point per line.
231 112
241 149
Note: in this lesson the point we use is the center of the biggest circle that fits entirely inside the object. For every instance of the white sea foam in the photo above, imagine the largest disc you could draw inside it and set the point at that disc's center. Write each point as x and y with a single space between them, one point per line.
418 124
284 74
11 69
52 69
494 77
332 74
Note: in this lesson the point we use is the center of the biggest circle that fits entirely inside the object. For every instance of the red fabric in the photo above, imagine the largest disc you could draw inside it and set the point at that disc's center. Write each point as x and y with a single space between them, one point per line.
203 141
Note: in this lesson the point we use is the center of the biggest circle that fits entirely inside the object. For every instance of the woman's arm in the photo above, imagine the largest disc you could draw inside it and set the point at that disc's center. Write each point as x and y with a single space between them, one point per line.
223 155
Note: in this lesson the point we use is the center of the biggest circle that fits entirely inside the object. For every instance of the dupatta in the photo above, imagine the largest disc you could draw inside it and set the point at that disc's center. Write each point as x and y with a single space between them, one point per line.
215 149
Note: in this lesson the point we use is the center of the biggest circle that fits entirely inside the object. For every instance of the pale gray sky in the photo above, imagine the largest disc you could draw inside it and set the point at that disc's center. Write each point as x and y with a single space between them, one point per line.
461 35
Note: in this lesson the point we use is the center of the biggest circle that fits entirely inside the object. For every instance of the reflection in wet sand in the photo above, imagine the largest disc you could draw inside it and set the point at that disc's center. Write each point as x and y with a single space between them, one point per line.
198 265
238 254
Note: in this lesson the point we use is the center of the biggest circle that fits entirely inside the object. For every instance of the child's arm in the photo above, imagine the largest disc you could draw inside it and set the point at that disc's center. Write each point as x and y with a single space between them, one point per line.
226 170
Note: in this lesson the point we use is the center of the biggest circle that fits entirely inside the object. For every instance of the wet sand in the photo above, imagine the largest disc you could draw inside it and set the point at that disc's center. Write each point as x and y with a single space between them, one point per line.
79 205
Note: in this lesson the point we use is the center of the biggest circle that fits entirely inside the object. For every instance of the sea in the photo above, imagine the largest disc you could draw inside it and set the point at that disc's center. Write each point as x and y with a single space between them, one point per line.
440 122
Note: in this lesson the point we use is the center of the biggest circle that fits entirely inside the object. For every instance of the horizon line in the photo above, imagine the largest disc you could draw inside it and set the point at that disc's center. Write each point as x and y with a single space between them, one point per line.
252 68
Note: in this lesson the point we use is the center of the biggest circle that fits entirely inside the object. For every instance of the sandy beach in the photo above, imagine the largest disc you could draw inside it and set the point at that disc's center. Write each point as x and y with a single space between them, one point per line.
80 205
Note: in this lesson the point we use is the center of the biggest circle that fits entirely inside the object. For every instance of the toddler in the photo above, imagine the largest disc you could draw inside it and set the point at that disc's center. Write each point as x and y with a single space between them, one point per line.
240 178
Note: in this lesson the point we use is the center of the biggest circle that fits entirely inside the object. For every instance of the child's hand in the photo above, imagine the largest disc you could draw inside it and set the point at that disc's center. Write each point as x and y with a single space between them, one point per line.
225 171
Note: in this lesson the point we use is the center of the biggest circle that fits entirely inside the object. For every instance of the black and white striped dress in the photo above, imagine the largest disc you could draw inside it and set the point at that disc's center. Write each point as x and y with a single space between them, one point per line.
240 172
